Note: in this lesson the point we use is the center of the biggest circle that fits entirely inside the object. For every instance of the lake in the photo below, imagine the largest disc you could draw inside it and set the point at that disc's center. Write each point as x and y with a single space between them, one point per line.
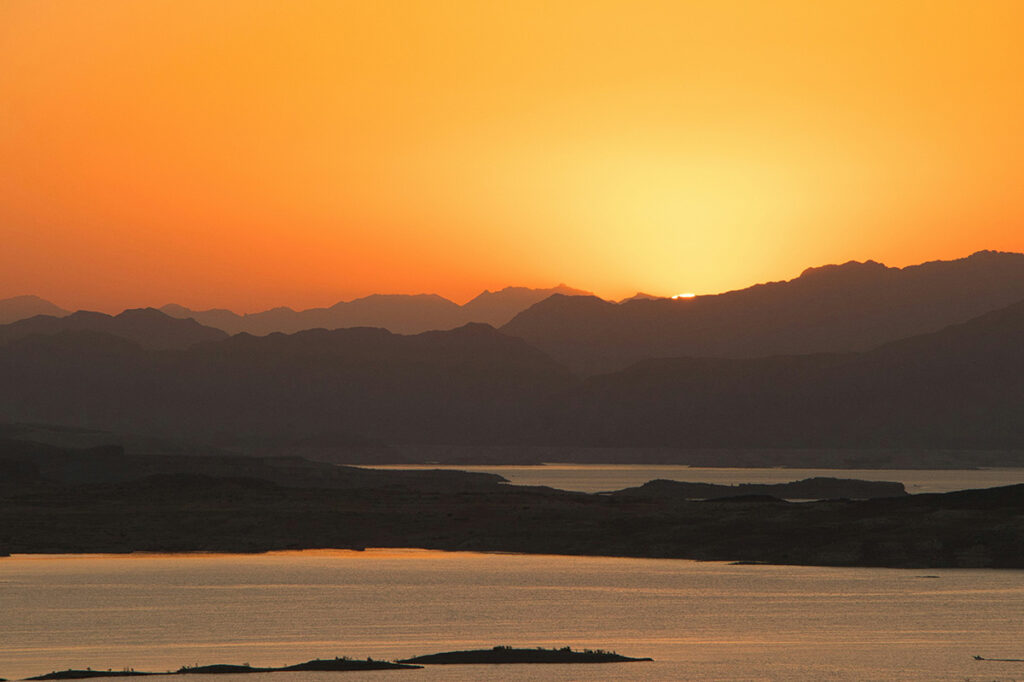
698 620
592 478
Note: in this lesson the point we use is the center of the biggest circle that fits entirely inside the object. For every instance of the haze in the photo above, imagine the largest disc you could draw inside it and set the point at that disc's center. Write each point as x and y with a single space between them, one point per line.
251 154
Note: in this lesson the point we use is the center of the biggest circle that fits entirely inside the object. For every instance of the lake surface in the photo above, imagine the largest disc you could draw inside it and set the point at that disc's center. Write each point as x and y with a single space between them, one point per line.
593 478
709 621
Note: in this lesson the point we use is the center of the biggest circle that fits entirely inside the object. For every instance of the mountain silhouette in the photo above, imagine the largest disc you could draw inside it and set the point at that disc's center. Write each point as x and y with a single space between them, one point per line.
835 308
147 327
401 314
21 307
959 388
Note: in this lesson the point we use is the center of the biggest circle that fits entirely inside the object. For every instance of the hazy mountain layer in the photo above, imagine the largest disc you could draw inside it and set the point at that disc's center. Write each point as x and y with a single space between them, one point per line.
401 314
145 326
959 388
836 308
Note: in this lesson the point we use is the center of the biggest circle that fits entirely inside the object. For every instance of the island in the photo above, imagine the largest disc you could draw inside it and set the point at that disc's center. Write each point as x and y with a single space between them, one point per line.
507 654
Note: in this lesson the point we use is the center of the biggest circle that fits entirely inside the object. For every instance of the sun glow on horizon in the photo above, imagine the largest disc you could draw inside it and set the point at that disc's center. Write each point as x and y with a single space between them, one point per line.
250 153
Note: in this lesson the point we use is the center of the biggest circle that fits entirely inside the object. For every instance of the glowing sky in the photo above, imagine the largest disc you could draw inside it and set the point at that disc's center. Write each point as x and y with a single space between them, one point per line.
249 154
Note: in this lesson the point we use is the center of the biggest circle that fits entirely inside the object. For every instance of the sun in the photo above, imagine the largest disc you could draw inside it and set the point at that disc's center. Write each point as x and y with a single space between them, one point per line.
686 295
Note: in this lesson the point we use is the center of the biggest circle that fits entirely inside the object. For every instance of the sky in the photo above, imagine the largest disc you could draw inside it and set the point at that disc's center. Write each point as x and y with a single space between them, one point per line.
249 154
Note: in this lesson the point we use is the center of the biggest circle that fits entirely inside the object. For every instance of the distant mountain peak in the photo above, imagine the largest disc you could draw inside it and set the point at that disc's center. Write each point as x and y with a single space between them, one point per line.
853 267
499 307
175 310
22 307
641 296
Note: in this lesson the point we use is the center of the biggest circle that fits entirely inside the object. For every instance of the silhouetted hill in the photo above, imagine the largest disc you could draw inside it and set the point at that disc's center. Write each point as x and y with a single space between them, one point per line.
21 307
836 308
400 314
218 318
961 387
147 327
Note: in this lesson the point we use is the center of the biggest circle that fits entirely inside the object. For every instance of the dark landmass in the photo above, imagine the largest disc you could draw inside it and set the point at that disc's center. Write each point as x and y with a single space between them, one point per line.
819 488
21 307
46 507
220 669
366 395
346 664
146 327
350 386
961 388
506 654
400 314
832 309
28 465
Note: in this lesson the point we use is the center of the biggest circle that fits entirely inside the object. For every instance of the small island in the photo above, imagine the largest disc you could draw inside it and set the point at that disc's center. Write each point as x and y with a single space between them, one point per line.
507 654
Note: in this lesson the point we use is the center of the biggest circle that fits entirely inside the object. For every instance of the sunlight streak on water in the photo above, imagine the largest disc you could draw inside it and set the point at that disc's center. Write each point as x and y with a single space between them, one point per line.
698 620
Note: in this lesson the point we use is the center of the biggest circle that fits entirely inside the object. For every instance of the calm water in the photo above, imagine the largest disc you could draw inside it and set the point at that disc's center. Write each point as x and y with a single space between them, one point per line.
592 478
698 620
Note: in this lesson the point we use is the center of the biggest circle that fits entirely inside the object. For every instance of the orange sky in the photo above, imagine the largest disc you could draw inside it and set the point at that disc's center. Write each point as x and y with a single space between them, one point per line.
249 154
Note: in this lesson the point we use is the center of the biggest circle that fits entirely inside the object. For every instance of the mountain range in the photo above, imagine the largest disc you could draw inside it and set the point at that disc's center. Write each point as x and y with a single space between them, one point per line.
401 314
858 356
835 308
959 388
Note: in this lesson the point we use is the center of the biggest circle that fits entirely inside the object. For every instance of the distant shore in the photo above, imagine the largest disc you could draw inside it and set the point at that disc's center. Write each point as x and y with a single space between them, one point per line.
476 512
